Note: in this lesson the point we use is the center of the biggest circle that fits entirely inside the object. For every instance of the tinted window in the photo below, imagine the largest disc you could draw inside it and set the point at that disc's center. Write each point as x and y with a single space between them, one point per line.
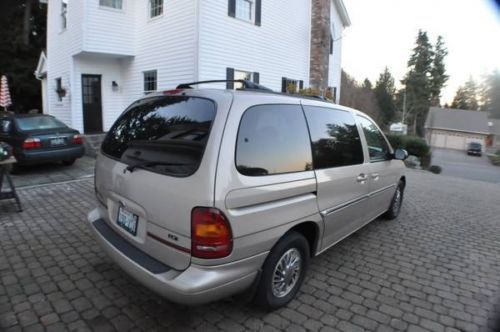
39 122
377 145
164 134
335 138
273 139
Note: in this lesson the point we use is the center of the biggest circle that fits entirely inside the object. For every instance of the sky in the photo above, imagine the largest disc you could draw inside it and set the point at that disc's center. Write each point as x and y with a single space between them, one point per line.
383 33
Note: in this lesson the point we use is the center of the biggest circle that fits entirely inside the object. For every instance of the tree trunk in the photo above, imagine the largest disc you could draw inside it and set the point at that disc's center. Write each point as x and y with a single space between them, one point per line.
27 22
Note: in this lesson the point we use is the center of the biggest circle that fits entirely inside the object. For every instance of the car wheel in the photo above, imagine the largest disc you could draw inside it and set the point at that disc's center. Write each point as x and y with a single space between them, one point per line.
69 162
396 202
283 272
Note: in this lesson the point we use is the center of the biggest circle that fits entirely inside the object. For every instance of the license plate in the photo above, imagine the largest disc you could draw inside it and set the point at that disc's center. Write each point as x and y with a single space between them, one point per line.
57 141
127 220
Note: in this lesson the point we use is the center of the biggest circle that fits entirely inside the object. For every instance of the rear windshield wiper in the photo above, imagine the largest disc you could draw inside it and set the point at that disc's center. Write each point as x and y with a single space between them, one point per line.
145 164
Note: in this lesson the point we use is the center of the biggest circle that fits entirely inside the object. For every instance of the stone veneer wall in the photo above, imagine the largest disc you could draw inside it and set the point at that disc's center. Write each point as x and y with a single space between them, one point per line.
320 44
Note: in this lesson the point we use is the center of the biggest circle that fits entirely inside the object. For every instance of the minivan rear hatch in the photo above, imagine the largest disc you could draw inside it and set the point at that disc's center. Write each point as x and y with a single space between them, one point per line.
155 166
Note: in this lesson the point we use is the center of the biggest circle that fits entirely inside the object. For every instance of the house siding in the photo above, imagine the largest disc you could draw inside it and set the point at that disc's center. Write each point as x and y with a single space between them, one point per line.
61 46
335 69
278 48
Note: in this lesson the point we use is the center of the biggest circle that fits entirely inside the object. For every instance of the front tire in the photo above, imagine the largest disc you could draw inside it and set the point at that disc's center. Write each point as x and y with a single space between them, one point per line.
283 272
396 202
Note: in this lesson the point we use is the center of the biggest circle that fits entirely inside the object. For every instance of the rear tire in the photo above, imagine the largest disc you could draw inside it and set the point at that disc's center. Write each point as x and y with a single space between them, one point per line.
396 202
69 162
283 272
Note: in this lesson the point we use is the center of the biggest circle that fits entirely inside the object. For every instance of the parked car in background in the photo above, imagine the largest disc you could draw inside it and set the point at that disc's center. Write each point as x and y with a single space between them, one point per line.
38 138
204 193
474 149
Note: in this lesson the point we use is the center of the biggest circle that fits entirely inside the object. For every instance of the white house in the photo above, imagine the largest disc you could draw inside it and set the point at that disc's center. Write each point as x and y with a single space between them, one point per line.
104 54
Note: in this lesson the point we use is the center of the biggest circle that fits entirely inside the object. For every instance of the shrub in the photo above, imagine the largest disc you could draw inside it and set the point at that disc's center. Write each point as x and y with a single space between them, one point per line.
435 169
415 146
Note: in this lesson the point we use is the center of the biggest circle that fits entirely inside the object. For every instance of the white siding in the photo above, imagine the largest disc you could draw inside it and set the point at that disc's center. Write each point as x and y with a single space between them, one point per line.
110 30
336 58
279 48
61 45
166 44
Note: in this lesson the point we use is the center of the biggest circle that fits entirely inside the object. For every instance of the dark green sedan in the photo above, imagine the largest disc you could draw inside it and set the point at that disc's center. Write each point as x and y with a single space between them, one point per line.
38 138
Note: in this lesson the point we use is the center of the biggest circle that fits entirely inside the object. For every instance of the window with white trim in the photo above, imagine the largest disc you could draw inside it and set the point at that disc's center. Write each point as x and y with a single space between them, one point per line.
245 10
155 8
242 75
64 14
150 81
116 4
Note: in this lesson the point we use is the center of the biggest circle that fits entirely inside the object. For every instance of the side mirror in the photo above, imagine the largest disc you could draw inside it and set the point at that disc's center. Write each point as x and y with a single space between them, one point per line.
400 154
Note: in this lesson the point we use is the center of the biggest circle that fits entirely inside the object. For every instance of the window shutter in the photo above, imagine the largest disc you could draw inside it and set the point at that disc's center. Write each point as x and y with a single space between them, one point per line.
283 84
301 85
256 78
232 8
230 77
258 12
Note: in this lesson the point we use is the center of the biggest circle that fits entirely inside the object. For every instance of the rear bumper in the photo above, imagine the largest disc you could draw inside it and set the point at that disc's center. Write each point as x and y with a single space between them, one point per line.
45 156
196 285
474 152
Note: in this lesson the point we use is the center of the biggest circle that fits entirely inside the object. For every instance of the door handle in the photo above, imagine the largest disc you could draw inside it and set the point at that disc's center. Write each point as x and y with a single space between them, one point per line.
362 178
375 176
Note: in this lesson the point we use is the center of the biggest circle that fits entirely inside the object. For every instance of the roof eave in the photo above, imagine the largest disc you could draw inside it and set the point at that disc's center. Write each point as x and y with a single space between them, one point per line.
344 16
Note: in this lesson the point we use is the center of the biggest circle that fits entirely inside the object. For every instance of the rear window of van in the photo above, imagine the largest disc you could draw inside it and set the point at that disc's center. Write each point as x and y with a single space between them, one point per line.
165 134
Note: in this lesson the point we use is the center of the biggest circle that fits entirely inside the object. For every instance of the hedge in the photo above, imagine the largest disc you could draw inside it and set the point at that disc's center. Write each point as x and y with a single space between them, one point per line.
415 146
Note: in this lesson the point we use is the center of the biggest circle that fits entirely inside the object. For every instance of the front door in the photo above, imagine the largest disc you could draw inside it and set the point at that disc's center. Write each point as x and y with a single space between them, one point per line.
92 103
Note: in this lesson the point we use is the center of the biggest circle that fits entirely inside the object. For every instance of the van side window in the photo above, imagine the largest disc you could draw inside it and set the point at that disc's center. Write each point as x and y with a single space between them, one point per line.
335 138
273 139
377 145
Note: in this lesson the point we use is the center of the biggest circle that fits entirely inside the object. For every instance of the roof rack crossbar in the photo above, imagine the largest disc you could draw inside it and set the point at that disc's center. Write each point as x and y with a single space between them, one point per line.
247 85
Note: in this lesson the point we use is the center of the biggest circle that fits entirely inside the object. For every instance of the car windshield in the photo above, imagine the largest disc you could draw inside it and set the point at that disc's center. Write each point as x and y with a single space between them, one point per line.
39 123
167 134
475 145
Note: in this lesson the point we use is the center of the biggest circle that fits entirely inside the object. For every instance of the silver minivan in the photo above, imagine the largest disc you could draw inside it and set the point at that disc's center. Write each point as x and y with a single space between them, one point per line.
205 193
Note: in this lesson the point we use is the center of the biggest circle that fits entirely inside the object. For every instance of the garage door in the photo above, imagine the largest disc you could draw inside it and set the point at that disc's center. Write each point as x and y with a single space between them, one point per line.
448 141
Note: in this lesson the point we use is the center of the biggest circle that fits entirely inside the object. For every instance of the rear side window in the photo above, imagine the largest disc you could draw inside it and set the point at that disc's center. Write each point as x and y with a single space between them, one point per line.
335 138
166 134
39 123
377 145
273 139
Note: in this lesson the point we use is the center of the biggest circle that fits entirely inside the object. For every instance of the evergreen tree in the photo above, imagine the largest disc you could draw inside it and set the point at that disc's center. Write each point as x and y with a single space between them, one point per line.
23 36
385 94
466 96
491 95
418 82
438 71
367 84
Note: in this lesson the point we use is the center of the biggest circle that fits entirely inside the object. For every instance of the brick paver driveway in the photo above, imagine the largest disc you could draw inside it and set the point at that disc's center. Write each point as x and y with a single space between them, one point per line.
435 268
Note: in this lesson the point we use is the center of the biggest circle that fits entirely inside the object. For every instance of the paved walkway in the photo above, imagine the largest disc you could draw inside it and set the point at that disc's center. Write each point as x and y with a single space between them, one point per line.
55 172
435 268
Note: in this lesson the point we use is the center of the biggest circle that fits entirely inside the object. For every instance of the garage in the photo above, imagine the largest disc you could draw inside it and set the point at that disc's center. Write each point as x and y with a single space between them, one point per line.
455 129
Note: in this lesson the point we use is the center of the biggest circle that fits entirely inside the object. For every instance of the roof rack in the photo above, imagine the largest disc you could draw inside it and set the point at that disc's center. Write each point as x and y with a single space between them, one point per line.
247 85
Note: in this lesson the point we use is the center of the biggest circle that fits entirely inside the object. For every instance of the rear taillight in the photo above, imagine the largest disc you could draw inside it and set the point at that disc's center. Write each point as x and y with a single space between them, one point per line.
77 139
210 233
32 143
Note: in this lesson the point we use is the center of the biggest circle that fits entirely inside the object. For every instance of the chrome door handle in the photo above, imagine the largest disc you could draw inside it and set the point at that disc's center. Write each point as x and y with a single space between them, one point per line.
375 176
362 178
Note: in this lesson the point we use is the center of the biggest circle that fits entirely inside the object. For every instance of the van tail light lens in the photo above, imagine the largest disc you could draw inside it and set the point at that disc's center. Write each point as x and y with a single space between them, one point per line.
32 143
211 235
77 139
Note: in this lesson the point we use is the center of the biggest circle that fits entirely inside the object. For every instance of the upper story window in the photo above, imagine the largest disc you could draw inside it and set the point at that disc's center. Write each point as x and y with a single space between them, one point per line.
335 138
378 148
116 4
150 81
289 85
247 10
242 75
64 14
155 8
273 139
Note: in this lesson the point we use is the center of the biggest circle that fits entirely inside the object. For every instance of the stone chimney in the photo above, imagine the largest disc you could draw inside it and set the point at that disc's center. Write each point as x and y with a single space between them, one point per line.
320 44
